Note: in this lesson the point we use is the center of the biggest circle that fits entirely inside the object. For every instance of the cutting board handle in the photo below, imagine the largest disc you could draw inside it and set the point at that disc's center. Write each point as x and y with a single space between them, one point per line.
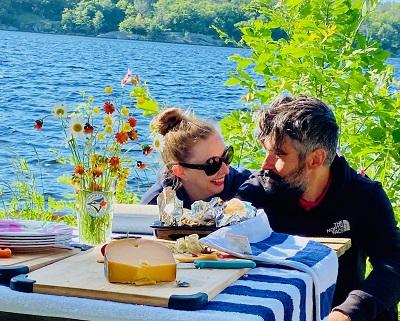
7 272
188 302
21 283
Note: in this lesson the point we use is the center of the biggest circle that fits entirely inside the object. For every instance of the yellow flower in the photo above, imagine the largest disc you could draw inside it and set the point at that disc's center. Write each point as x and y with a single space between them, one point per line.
125 111
108 90
100 136
108 130
60 111
111 148
108 120
90 99
126 128
96 110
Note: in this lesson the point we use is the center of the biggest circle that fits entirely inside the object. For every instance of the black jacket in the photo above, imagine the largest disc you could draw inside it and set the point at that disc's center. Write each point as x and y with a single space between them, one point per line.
354 207
232 182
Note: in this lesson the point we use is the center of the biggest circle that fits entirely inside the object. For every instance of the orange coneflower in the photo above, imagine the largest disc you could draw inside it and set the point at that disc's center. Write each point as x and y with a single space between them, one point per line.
108 107
135 80
146 149
133 134
88 129
141 165
38 124
121 137
114 162
79 170
132 121
97 172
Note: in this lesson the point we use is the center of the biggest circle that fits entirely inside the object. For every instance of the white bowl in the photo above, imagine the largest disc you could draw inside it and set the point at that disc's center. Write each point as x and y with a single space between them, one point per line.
134 218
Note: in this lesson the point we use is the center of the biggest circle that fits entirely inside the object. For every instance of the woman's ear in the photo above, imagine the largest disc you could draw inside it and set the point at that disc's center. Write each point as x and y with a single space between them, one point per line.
177 170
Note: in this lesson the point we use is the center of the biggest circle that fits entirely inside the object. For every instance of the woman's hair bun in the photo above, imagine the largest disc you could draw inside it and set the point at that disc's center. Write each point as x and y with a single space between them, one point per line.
168 120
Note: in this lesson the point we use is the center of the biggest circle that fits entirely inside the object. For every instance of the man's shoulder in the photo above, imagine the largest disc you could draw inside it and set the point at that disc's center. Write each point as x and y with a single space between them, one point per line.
236 177
364 186
255 179
252 189
351 182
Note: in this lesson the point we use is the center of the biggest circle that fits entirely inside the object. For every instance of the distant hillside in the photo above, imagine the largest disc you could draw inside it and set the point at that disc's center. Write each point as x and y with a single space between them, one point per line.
187 21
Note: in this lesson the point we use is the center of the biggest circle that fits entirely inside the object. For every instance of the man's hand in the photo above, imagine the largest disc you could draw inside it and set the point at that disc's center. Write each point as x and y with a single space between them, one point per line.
338 316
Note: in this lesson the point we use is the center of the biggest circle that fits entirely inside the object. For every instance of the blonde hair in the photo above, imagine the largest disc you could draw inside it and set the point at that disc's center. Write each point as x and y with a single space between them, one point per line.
181 133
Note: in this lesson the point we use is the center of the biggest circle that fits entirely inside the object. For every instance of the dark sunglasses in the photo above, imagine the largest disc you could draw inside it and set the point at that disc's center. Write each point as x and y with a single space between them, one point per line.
213 164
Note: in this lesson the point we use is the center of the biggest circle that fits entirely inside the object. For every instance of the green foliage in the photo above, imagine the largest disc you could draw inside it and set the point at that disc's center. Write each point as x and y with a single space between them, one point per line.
384 26
153 17
239 127
324 55
91 16
28 200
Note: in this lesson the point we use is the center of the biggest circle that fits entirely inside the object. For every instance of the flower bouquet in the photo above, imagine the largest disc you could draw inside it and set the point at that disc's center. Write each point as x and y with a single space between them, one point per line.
96 137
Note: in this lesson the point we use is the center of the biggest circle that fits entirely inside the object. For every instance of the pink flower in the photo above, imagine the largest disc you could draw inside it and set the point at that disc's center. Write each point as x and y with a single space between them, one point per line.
127 78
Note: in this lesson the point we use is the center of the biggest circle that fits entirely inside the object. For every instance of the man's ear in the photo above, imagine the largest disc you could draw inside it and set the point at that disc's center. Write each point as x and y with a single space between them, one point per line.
316 158
177 170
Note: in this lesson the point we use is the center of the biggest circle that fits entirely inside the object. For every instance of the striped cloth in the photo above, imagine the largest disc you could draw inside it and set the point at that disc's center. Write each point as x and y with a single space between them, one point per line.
265 294
301 254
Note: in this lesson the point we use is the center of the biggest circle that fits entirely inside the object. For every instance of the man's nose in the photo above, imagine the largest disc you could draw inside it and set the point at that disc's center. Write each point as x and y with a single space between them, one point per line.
269 161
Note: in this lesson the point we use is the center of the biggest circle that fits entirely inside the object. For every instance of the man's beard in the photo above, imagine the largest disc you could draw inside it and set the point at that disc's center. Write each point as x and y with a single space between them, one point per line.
290 187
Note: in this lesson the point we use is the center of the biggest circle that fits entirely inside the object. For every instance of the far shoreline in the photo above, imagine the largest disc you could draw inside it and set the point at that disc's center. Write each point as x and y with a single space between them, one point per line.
127 36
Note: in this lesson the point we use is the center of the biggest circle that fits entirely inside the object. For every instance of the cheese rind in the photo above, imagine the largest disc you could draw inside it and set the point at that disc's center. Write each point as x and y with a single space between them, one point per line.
138 262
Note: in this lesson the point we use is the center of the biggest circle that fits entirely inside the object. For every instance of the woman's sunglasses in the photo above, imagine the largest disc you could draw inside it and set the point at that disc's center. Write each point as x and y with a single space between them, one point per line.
213 164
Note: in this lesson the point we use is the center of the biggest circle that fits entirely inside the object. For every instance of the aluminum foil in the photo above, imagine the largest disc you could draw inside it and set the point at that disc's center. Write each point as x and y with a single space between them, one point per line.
170 207
204 213
230 217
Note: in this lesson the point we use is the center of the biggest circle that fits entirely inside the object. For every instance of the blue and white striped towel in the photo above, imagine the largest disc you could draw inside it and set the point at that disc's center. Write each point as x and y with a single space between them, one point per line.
299 253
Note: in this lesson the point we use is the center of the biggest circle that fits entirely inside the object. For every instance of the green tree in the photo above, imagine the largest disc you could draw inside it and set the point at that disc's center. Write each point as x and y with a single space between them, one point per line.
384 26
91 16
323 54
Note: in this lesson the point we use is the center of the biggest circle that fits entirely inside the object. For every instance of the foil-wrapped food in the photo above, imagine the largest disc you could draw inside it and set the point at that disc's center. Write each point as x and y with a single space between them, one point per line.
212 213
235 211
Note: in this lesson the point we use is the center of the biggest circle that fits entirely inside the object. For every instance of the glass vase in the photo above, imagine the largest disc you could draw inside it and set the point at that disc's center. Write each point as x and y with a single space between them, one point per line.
94 214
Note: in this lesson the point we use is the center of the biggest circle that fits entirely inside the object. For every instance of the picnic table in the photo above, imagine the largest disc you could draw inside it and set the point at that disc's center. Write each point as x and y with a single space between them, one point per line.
258 289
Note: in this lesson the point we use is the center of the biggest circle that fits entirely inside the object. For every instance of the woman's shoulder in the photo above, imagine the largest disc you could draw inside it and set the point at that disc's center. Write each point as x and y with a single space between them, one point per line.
150 197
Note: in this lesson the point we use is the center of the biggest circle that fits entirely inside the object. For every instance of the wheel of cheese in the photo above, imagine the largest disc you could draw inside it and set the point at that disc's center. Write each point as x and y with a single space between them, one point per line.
138 261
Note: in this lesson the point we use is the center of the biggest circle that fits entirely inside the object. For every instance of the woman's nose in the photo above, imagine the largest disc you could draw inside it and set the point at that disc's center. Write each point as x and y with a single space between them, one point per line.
269 161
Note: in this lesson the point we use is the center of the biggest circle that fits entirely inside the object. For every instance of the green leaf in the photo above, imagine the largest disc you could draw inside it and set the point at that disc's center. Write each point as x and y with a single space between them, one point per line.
149 107
396 135
377 133
233 81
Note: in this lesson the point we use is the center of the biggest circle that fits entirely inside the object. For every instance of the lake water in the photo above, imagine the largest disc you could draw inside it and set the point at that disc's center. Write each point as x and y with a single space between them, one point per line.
38 71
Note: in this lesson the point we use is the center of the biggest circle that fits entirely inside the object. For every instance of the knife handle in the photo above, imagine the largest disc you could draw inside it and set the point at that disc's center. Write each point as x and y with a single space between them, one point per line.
224 264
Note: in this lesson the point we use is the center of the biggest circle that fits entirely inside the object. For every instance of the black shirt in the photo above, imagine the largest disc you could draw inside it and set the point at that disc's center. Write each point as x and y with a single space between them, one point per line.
354 207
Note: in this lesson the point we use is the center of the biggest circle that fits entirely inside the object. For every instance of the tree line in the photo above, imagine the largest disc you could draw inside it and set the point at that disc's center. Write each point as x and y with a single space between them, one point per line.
153 17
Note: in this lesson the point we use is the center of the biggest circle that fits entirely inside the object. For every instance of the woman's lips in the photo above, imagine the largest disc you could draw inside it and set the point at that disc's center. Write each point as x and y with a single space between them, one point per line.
218 181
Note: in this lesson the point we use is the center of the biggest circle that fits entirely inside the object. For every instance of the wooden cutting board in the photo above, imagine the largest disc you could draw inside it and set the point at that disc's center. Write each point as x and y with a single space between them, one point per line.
22 263
81 276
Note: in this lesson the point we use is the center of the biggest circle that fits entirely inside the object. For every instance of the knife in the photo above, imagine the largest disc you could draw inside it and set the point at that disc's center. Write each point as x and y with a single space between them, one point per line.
224 264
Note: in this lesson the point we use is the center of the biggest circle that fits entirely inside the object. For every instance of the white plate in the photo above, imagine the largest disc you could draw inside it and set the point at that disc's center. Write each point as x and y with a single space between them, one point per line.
8 243
30 249
35 238
26 228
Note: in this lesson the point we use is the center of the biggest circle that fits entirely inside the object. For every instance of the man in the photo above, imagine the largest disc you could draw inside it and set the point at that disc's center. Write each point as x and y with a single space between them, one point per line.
307 189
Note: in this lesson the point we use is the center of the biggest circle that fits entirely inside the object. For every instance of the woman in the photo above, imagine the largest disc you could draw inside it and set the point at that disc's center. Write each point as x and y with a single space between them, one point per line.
196 160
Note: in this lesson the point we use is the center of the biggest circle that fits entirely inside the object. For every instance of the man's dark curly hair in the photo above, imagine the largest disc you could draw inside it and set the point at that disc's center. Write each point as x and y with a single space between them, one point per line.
306 120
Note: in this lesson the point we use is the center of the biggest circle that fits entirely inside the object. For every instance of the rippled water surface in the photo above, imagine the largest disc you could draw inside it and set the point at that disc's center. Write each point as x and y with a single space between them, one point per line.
40 70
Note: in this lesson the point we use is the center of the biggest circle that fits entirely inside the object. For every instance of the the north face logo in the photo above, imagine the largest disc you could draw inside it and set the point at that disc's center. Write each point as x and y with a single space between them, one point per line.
339 227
